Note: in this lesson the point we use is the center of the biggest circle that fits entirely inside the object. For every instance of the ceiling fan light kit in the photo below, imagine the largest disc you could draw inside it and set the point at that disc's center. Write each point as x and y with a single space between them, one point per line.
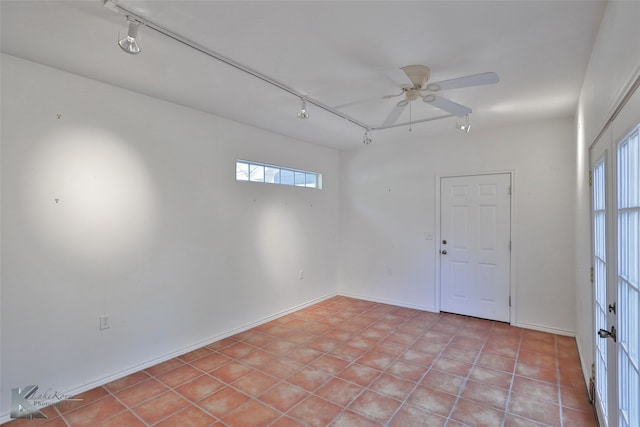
413 80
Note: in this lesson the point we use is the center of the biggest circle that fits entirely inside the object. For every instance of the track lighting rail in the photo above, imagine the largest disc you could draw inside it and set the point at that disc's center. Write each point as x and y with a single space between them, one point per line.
113 5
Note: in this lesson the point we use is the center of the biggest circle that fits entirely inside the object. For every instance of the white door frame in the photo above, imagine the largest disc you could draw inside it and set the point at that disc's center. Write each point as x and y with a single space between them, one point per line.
514 246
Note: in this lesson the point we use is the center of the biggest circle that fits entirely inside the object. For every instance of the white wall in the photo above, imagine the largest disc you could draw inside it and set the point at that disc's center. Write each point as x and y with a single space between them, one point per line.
614 64
149 227
388 202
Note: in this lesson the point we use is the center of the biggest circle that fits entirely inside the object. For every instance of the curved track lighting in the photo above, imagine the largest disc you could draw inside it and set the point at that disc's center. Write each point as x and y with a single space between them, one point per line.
410 88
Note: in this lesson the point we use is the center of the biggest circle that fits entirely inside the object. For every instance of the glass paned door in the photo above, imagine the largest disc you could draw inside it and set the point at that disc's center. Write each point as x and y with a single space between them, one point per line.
604 270
615 165
628 278
599 221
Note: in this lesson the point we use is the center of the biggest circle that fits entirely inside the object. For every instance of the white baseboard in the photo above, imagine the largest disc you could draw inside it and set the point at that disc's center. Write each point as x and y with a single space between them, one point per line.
586 370
147 364
542 328
388 301
533 326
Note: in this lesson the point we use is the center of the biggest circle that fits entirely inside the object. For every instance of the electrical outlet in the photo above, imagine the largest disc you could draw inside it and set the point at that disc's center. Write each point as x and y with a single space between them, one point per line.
105 322
300 275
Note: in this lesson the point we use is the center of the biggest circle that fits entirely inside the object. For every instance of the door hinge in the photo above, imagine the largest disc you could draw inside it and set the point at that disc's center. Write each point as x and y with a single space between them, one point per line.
509 300
592 277
509 193
592 384
509 244
590 178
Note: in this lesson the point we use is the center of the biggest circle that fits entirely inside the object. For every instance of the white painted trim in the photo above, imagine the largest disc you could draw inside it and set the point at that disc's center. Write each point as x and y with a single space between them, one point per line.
617 104
586 370
390 302
512 233
547 329
513 314
531 326
436 280
109 378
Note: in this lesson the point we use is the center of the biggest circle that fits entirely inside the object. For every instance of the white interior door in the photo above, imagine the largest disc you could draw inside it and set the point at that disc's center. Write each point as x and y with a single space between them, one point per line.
475 231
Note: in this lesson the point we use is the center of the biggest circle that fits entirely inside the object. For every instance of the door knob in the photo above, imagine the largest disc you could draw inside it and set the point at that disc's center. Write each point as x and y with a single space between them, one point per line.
443 252
603 333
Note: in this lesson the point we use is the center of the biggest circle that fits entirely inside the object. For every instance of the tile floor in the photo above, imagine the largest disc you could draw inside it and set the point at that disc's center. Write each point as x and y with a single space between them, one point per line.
347 362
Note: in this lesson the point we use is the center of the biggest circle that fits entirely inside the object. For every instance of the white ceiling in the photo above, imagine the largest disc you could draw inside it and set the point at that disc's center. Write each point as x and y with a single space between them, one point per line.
333 51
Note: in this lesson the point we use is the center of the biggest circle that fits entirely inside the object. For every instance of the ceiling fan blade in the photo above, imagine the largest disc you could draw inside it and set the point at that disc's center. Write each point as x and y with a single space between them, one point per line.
394 115
395 95
447 105
399 77
472 80
361 101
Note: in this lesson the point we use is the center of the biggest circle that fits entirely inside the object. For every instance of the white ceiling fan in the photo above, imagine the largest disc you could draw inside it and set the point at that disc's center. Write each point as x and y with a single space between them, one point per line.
413 80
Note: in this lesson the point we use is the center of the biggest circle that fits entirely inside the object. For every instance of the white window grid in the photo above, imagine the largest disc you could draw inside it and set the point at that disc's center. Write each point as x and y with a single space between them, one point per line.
271 174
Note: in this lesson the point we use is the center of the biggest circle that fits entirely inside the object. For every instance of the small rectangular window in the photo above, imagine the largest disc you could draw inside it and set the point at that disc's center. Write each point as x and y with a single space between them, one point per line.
256 173
272 175
286 177
242 171
300 178
260 172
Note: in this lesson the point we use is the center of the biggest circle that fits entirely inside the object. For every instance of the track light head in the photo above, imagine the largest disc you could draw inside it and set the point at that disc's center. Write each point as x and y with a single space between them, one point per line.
130 43
464 127
303 113
366 139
